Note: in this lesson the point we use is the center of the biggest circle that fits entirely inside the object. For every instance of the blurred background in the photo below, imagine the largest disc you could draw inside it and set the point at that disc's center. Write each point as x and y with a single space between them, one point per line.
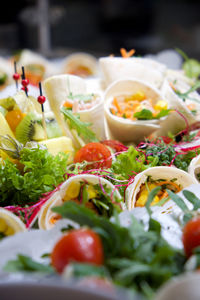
56 28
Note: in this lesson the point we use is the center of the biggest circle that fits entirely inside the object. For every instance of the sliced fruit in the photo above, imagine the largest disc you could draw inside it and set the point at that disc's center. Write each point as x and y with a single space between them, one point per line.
3 78
27 104
8 103
53 129
29 130
3 110
14 117
5 128
60 144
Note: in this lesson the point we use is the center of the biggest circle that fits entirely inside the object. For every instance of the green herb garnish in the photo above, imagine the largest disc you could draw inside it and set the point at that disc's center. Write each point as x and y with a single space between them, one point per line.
81 127
190 66
24 263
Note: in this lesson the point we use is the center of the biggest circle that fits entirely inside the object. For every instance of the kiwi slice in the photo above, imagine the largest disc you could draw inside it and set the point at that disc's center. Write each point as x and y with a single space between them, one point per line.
3 78
53 129
29 129
8 103
3 110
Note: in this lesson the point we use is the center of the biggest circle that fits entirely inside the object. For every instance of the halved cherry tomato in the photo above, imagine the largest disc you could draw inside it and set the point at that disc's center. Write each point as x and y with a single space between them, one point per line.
167 139
116 145
80 245
191 236
94 152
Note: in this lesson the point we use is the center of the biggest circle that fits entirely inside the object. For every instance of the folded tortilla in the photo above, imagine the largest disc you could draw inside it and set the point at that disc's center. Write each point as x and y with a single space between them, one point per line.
10 223
115 68
194 168
156 173
176 122
87 62
29 57
58 88
126 130
46 214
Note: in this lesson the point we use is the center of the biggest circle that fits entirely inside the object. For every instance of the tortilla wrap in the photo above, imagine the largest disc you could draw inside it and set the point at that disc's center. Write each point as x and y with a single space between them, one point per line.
115 68
167 173
45 214
29 57
12 221
126 130
83 60
194 168
58 88
174 123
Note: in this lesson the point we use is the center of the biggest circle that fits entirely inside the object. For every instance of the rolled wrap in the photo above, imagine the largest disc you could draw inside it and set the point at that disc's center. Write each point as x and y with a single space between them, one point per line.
167 173
126 130
45 215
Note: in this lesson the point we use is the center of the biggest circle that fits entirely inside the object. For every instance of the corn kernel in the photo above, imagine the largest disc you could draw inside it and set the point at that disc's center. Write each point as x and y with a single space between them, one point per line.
155 200
137 96
91 192
3 225
72 191
142 199
9 231
161 104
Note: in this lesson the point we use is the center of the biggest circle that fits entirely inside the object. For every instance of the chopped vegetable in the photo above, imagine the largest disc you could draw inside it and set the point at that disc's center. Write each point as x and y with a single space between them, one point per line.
166 154
126 54
138 106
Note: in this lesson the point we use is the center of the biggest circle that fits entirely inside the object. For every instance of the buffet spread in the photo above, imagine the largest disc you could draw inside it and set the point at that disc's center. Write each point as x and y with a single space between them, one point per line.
100 169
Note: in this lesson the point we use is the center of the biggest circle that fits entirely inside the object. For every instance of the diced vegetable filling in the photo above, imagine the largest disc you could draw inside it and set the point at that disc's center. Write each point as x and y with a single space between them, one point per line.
162 195
137 106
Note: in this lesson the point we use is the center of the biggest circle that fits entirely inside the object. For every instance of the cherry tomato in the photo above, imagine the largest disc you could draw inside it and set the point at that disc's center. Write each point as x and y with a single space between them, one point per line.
191 236
167 139
94 152
81 245
116 145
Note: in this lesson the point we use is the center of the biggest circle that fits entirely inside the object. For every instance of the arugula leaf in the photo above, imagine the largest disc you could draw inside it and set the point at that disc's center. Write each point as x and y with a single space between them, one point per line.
150 198
191 197
179 202
24 263
186 95
81 127
84 269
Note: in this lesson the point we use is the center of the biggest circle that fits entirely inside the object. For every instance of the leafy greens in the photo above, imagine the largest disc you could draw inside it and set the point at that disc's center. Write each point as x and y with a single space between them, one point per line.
41 172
